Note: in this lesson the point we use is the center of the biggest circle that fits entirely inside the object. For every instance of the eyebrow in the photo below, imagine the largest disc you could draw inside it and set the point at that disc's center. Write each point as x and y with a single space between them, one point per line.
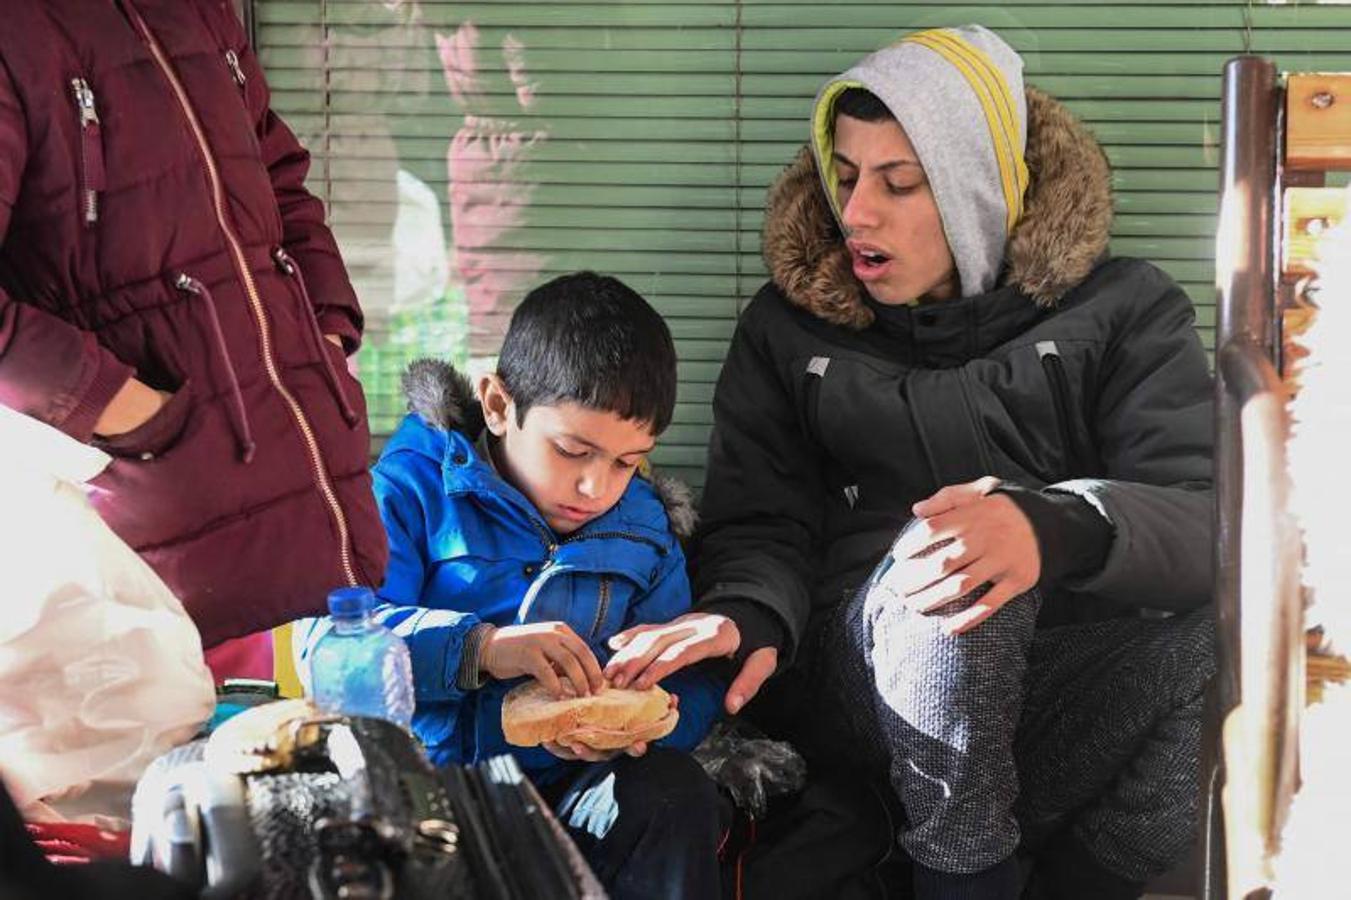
594 446
884 167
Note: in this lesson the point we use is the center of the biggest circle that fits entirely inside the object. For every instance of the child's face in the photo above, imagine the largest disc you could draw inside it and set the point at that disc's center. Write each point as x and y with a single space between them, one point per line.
571 462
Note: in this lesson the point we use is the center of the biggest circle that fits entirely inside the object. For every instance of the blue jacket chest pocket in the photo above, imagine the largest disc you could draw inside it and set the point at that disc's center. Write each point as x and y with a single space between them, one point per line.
593 604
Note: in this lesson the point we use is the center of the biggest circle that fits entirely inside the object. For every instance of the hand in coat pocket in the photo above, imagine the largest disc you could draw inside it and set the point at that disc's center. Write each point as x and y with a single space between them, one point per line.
132 406
155 419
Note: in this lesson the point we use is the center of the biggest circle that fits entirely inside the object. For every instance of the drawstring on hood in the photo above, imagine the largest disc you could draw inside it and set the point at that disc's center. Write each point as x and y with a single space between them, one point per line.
958 95
239 422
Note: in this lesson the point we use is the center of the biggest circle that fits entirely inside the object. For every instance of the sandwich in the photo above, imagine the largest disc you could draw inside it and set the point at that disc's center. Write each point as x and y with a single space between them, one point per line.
611 719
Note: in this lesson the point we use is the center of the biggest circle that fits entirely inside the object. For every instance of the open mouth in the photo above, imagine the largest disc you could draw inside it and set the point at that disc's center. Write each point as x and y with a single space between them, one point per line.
869 262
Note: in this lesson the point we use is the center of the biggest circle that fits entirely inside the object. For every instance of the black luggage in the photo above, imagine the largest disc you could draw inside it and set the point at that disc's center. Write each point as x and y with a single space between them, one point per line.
348 807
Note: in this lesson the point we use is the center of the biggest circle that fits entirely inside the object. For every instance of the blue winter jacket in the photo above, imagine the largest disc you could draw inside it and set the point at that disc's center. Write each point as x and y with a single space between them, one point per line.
467 548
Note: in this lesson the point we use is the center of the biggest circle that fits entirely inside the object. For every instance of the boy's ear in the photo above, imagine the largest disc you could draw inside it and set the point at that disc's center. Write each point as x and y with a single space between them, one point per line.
495 402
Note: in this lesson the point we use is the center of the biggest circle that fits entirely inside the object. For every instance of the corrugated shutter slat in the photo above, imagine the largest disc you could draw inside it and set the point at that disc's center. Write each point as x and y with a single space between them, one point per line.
638 138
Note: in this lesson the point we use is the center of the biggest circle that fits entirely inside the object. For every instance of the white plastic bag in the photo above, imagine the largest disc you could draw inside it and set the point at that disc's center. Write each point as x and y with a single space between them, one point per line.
101 669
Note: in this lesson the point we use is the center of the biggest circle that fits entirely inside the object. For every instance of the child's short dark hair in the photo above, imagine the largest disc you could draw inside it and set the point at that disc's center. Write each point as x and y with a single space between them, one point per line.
591 340
862 104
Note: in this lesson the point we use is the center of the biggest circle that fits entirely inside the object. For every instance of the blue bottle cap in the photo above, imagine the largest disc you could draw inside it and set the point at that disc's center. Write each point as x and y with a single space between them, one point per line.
350 602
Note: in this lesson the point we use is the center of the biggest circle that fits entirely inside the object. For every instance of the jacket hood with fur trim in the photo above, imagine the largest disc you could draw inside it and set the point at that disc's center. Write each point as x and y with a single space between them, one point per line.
1061 236
443 397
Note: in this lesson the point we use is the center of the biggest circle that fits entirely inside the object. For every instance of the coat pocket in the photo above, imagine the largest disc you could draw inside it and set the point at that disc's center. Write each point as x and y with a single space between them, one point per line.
157 434
811 394
1078 457
603 591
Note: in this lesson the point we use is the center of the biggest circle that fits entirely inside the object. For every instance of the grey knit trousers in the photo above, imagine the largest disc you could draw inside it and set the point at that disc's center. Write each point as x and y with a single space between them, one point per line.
1008 734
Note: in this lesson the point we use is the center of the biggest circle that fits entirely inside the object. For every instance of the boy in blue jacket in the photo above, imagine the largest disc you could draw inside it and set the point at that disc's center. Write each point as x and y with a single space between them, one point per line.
520 542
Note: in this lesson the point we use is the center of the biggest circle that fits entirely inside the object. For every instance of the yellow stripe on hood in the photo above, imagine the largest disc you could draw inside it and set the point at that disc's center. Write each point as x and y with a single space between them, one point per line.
958 95
990 88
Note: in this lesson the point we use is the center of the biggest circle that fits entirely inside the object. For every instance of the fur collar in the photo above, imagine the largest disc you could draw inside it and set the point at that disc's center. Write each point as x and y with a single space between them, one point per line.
1061 236
443 397
445 400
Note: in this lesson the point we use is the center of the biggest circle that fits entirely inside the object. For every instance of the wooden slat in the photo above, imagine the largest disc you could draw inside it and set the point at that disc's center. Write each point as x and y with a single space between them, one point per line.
1318 121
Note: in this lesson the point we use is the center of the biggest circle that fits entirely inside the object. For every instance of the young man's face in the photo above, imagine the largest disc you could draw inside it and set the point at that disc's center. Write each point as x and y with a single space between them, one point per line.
895 236
573 463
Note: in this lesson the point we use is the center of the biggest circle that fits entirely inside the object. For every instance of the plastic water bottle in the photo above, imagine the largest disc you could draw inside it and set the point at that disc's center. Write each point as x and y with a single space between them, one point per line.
361 668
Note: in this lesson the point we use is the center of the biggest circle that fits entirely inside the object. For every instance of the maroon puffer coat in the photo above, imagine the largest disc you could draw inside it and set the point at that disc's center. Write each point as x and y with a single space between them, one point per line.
153 221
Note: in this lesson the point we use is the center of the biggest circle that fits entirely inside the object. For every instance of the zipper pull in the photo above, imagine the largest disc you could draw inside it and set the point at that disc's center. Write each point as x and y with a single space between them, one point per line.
232 60
84 99
92 175
283 260
187 284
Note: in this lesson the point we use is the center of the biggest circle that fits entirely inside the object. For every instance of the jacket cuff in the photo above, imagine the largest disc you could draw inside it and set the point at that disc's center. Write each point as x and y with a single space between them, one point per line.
108 379
469 676
1073 537
758 625
336 320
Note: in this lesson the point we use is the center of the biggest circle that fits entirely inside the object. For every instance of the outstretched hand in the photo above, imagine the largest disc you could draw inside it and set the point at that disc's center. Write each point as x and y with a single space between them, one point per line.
966 537
754 673
645 654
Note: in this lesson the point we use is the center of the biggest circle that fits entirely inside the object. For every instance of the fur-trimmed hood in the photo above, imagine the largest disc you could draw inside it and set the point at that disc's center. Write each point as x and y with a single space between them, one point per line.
1061 236
443 398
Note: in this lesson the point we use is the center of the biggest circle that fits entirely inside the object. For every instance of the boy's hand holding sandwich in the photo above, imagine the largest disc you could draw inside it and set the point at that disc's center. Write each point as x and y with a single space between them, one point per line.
543 650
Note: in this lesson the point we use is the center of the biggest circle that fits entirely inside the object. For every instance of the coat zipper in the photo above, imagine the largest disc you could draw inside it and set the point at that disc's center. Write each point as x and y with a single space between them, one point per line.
232 60
1060 397
603 606
255 301
93 177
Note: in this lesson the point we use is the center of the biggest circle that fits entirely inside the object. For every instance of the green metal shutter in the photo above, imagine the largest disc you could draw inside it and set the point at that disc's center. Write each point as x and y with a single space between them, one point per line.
615 131
638 139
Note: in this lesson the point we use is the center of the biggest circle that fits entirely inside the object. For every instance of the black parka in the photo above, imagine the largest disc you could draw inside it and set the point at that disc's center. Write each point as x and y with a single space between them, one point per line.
1080 374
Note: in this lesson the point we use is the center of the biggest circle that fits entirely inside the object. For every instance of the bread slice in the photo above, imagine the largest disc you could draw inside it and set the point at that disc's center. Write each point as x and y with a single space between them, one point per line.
610 720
